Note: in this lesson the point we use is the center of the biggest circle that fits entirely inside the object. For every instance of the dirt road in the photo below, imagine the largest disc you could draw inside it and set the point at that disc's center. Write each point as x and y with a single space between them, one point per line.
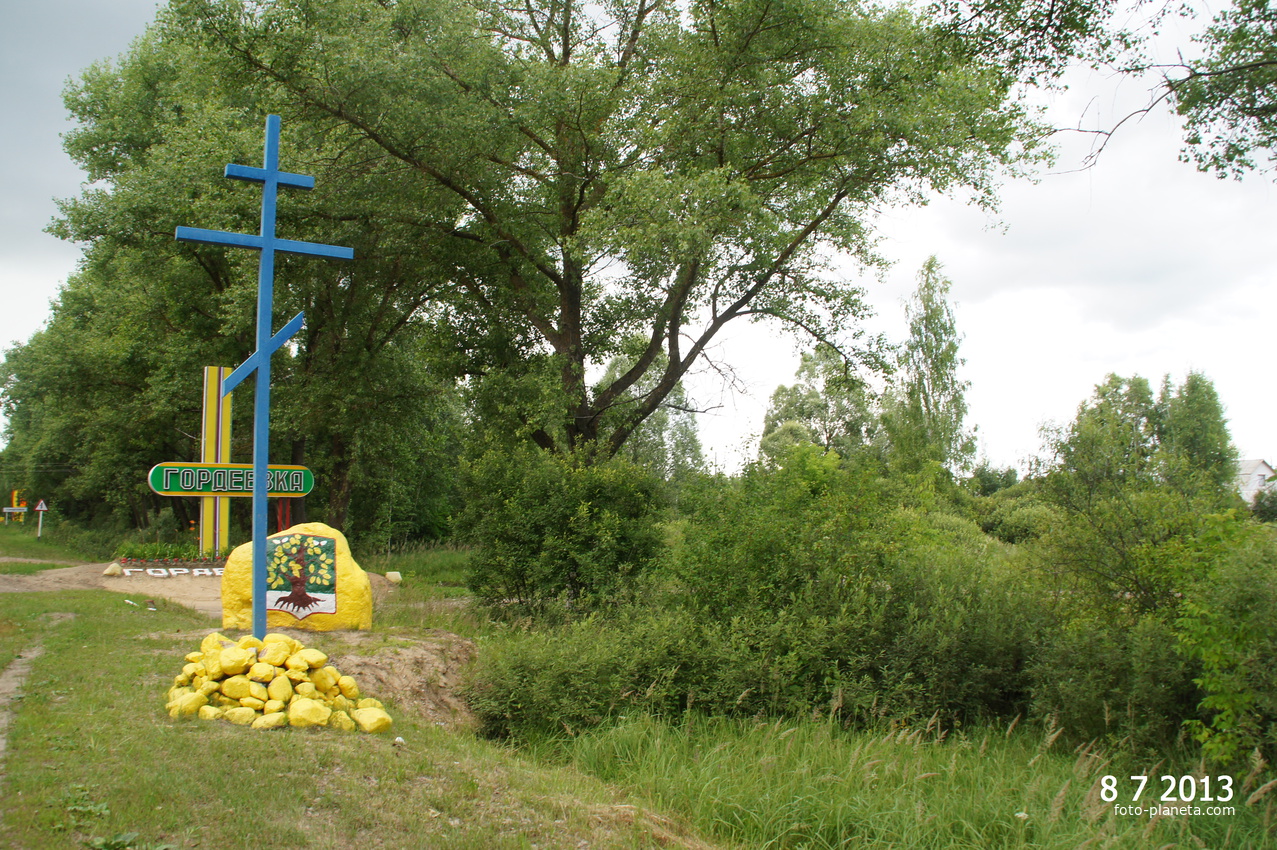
201 592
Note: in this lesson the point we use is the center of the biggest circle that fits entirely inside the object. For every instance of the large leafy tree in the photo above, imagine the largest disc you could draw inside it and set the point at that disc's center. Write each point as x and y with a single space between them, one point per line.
1225 94
667 442
597 172
92 401
1193 433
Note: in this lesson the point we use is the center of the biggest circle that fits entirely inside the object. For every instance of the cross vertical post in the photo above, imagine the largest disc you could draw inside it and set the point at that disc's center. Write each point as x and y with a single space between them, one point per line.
258 362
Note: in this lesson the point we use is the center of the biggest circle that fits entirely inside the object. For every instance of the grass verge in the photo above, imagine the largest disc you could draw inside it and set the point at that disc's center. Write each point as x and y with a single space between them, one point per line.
17 541
93 760
26 568
441 566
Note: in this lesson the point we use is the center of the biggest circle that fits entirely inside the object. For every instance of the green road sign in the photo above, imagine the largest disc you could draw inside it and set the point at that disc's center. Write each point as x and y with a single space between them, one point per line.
227 479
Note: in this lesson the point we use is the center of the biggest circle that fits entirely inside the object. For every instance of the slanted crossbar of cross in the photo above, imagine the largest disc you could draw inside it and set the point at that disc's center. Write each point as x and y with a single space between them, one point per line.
258 362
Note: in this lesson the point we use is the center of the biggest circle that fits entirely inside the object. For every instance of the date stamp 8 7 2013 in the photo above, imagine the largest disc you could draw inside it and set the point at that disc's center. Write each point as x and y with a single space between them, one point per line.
1179 795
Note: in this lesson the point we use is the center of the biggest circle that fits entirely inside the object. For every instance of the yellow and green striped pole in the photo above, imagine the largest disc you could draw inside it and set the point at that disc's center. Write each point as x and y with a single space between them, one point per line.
215 447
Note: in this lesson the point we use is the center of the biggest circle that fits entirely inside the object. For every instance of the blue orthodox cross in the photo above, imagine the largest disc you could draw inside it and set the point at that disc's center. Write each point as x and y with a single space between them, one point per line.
267 344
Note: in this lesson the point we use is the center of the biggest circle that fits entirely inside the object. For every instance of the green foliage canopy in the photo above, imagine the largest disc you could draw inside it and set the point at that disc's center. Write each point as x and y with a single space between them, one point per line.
1229 98
548 527
112 385
634 169
1135 476
829 406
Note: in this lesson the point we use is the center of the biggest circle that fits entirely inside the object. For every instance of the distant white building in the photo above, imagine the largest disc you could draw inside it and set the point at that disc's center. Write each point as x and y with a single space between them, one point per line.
1253 476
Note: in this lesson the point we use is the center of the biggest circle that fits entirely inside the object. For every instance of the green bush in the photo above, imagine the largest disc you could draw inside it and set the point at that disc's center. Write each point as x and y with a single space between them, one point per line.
861 652
577 675
903 610
547 527
1264 505
1102 678
1228 626
760 541
1020 520
805 589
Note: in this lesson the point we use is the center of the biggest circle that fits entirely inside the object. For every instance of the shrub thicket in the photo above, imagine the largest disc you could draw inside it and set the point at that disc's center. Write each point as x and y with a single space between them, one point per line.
791 594
549 527
1135 612
1228 626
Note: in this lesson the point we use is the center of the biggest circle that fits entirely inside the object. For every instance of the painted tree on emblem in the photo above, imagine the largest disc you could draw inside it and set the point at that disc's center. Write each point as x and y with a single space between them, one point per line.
303 564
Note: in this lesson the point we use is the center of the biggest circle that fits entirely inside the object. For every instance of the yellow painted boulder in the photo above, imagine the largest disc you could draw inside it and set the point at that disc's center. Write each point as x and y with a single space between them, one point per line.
241 716
237 687
313 658
308 712
214 641
274 653
371 719
187 704
263 672
312 580
280 688
271 720
325 678
235 660
311 692
341 720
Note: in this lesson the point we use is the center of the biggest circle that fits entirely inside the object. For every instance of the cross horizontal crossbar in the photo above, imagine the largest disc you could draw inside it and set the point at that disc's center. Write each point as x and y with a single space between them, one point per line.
255 359
261 175
246 240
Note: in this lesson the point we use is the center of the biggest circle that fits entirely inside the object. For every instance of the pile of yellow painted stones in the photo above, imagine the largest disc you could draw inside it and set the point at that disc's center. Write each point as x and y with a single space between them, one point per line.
268 684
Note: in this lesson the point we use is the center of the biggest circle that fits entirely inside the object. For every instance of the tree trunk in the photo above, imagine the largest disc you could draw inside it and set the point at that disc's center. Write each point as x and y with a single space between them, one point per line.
298 458
339 488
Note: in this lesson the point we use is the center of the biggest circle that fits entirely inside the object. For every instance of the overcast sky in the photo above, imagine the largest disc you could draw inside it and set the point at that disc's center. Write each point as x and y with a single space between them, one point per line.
1138 265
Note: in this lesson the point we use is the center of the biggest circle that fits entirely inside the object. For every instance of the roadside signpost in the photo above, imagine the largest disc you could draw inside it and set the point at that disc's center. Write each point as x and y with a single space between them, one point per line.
258 362
215 447
221 480
17 507
40 508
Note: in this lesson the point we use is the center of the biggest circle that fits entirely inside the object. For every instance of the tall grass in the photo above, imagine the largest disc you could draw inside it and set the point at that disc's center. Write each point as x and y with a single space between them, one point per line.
807 784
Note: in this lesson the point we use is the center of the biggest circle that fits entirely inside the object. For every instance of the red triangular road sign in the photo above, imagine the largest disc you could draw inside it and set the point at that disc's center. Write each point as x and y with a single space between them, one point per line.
42 506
